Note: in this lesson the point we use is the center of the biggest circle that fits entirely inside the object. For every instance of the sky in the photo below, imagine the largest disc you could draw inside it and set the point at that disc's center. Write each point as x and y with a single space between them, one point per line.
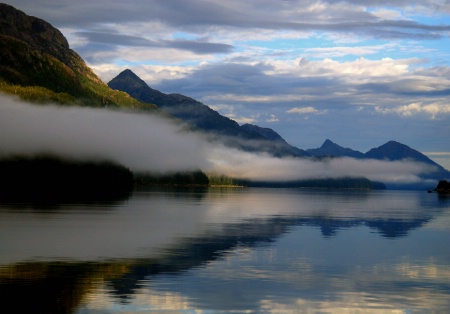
359 73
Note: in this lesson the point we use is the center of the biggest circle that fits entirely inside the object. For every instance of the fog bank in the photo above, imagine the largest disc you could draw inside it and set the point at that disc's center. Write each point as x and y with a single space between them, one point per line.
139 141
263 167
149 142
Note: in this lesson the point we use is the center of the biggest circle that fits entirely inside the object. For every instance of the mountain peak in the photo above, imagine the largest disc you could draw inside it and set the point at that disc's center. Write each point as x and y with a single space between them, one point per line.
129 78
329 148
128 73
393 150
395 144
328 143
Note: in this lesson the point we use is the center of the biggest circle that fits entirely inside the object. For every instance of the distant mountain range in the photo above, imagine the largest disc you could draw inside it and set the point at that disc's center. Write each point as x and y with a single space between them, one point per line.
203 118
37 65
391 151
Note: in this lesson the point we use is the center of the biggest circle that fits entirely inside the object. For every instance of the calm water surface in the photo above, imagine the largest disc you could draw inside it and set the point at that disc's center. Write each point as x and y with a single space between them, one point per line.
228 250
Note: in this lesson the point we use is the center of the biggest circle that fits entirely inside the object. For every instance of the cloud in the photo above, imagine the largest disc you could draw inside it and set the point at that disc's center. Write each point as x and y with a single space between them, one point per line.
291 80
442 158
116 39
272 118
196 46
436 154
138 141
102 26
201 16
263 167
432 110
200 47
305 110
339 51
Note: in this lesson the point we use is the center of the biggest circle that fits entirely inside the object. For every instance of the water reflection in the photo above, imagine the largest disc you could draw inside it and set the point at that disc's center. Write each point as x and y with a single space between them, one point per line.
60 200
243 250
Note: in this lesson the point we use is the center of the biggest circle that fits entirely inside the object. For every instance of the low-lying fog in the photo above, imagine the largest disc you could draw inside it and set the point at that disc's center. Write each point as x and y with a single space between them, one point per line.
150 142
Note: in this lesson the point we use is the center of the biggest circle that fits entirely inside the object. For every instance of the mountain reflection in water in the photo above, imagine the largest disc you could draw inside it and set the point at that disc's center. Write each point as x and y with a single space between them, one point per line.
224 250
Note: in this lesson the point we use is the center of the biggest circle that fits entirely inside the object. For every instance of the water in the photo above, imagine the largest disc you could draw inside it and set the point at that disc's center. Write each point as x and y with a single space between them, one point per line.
228 251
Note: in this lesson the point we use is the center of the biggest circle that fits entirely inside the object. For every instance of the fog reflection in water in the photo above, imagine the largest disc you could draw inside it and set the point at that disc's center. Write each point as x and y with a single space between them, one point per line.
242 250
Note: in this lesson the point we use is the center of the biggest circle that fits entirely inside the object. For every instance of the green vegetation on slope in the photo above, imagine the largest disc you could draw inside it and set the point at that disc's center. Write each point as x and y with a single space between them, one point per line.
37 65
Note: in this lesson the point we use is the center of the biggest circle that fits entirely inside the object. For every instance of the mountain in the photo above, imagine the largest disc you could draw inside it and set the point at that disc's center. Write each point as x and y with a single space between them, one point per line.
37 64
393 150
329 148
201 117
180 106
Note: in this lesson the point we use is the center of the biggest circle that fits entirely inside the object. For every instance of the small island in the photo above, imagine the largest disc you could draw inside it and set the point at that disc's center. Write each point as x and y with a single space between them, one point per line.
443 187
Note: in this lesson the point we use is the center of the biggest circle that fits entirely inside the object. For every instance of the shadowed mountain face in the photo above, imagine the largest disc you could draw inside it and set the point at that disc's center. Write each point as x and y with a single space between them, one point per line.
37 64
393 150
182 107
201 117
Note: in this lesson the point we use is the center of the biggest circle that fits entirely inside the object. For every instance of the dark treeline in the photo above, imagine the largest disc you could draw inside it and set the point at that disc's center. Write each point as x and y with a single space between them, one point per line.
328 183
53 177
187 178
